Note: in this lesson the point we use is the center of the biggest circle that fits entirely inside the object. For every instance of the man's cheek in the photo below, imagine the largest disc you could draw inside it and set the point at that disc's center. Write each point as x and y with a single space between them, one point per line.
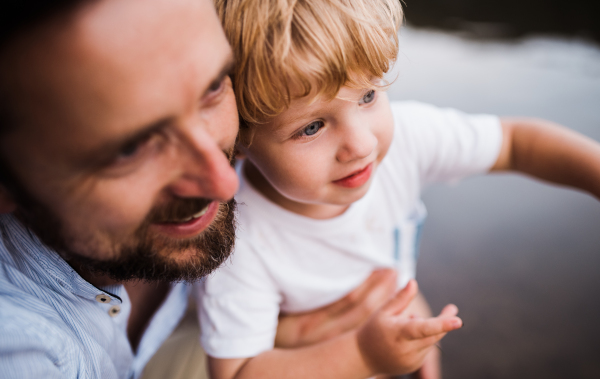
119 207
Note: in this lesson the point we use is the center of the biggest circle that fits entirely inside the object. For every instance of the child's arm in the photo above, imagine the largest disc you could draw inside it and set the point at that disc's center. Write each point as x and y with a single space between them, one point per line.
387 343
550 152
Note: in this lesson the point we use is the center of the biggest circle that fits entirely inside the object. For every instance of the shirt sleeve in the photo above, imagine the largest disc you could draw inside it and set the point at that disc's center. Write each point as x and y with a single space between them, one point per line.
25 353
446 144
239 306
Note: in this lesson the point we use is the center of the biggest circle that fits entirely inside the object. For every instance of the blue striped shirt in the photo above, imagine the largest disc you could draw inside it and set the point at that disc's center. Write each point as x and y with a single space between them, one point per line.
54 324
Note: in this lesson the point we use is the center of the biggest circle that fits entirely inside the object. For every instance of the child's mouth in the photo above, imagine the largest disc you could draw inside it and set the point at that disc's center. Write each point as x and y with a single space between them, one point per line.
357 178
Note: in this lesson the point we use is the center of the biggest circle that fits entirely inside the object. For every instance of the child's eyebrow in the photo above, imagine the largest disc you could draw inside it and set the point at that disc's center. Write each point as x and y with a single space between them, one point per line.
363 92
299 118
295 121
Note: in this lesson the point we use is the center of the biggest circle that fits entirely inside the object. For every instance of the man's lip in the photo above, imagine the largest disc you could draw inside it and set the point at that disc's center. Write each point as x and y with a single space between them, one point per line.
357 178
189 228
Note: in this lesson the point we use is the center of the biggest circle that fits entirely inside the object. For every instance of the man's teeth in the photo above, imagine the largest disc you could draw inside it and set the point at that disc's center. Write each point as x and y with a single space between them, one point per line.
199 214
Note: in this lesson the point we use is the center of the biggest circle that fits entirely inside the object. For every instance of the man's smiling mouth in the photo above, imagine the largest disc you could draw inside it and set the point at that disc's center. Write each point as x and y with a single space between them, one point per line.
194 216
190 225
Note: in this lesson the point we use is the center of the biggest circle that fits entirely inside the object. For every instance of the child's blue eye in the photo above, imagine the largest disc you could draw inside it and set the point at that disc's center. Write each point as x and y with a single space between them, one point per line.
368 97
312 128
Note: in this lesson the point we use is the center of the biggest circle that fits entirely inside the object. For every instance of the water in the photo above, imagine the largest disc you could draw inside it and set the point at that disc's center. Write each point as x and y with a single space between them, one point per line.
520 258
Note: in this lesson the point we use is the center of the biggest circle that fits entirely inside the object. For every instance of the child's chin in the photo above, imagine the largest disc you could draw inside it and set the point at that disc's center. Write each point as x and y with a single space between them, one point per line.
352 195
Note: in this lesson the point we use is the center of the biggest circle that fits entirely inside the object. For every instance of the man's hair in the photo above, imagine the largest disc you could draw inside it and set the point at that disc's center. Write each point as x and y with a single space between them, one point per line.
286 49
19 15
16 17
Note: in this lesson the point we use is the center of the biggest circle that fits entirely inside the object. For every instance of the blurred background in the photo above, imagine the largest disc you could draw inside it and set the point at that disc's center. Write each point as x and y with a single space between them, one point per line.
520 258
507 18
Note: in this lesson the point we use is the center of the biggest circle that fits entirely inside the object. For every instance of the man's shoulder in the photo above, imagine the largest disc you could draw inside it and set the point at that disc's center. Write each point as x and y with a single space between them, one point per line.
17 317
28 314
32 341
25 315
33 347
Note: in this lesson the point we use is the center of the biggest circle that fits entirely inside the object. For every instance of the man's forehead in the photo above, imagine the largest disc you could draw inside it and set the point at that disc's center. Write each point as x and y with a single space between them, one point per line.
123 64
152 43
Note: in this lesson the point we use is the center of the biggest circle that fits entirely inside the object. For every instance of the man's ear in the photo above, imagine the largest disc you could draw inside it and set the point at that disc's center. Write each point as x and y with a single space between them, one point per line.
7 203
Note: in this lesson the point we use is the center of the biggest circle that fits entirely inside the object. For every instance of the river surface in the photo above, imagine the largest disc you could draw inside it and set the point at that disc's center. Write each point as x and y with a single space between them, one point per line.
520 258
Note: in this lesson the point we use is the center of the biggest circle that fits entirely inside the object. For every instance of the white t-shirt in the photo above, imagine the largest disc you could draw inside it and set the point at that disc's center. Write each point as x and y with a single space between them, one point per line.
290 263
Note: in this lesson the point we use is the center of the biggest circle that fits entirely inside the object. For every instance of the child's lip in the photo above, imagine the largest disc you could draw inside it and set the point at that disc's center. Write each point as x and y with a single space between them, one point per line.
357 178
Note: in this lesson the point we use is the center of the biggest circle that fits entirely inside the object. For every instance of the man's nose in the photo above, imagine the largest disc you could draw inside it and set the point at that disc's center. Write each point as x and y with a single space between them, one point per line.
356 142
206 170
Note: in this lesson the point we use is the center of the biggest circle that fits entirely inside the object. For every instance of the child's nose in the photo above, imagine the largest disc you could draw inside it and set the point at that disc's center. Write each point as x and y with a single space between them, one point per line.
357 142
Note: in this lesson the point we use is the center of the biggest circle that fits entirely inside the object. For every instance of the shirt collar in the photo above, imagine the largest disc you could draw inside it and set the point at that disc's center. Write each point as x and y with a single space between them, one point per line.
20 247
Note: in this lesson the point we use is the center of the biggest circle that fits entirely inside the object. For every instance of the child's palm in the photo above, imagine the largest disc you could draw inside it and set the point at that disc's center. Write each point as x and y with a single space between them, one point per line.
392 343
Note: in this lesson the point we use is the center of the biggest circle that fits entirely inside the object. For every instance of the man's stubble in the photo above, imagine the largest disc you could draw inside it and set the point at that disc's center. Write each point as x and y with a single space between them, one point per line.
145 256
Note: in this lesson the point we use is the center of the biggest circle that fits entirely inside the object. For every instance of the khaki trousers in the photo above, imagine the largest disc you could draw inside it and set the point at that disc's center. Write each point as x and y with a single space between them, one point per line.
181 356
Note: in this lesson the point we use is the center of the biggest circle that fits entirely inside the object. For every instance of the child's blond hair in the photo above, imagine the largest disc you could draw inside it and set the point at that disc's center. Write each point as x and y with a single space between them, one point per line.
286 49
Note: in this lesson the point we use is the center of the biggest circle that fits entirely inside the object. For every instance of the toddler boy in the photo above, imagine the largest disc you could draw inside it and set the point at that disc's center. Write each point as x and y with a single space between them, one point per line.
331 185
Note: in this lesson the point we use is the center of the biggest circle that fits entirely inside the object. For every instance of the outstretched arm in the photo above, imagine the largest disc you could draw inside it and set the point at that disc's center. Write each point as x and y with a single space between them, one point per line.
389 342
550 152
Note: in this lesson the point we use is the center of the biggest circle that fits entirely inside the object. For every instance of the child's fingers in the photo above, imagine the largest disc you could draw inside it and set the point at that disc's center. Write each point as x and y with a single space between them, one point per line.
402 298
429 327
449 311
428 342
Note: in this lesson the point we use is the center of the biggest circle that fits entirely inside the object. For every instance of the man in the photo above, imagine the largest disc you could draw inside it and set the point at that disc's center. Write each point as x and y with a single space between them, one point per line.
117 123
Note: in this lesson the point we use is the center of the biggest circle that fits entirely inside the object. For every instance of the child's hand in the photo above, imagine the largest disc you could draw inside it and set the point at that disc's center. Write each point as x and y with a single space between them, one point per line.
339 317
391 343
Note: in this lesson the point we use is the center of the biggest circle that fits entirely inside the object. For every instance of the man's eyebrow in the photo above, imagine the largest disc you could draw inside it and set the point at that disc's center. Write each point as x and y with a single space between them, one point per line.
107 151
225 71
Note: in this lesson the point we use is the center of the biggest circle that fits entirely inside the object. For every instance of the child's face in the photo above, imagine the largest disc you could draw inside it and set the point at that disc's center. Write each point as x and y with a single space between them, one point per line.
317 158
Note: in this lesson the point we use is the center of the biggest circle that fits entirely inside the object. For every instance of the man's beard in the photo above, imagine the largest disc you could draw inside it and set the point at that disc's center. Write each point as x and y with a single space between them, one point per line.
147 257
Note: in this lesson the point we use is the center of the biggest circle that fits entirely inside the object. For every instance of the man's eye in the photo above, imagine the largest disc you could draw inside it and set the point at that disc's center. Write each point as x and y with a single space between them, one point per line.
129 150
311 129
134 148
368 97
214 92
216 86
134 154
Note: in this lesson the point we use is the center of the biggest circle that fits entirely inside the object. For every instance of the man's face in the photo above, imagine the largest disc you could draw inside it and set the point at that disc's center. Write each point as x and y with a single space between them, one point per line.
125 115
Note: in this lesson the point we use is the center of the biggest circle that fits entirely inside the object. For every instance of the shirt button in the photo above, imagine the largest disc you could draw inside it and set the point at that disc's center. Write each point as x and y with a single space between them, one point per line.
114 310
102 298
